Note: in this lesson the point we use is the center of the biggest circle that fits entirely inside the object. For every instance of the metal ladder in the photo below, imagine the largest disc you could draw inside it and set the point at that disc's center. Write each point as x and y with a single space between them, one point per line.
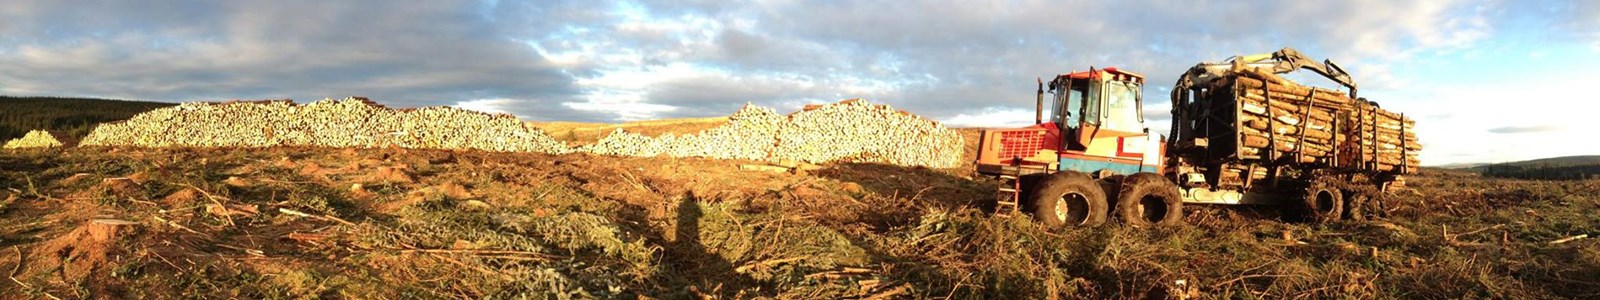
1009 195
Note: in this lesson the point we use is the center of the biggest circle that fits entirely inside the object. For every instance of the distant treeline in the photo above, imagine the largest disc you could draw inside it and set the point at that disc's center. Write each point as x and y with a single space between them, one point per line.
1555 173
1559 168
73 116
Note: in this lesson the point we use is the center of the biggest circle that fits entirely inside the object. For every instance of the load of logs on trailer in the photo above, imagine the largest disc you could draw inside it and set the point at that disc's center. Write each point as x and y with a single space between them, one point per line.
1281 120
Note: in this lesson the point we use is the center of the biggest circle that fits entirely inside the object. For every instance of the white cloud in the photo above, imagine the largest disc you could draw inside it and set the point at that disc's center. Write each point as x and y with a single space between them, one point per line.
493 106
1517 119
993 118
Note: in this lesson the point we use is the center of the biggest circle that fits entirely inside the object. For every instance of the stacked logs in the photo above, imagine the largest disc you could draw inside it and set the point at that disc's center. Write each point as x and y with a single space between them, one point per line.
1283 120
39 139
1387 139
854 130
748 134
352 122
851 130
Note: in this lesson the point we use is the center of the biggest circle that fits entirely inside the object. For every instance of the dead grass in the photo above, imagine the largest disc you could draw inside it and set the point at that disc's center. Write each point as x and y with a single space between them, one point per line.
445 224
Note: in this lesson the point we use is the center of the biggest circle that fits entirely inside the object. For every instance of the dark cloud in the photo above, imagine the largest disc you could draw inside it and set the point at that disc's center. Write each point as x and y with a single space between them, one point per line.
1526 129
548 59
406 55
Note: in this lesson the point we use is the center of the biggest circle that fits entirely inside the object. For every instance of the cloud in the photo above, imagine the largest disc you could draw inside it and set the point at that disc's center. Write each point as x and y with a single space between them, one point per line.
633 60
1526 129
964 63
403 55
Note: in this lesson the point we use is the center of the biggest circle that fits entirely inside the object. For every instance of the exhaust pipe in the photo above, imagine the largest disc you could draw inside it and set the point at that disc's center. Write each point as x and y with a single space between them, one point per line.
1038 106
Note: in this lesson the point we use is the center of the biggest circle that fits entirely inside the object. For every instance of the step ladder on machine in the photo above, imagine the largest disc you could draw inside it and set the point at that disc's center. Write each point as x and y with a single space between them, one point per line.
1009 195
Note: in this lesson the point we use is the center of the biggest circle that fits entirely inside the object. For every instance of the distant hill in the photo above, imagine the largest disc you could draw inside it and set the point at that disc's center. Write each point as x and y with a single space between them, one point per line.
1459 165
74 116
1565 167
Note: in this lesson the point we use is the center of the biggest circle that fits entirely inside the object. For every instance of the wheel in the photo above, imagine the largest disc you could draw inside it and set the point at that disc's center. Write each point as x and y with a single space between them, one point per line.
1353 200
1069 198
1322 203
1147 199
1362 204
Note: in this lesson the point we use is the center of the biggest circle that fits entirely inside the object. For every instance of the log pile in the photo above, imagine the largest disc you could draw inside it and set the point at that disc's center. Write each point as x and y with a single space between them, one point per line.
39 139
851 130
854 130
351 122
748 134
1283 120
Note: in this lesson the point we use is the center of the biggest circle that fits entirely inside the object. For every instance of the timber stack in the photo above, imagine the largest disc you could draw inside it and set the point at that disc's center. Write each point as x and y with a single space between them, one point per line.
1285 121
40 139
851 130
352 122
857 131
748 134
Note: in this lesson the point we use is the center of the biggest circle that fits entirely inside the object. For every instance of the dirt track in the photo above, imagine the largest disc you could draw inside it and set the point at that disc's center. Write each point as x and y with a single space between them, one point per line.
443 224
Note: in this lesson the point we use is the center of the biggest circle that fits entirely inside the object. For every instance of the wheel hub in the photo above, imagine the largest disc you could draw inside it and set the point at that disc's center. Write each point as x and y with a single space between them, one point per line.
1152 209
1324 202
1072 208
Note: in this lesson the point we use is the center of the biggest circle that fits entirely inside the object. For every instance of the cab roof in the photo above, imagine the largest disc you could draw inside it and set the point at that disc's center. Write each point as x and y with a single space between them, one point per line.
1108 72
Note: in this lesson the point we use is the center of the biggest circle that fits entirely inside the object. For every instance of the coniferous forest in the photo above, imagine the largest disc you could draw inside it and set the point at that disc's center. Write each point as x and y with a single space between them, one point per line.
73 116
1555 168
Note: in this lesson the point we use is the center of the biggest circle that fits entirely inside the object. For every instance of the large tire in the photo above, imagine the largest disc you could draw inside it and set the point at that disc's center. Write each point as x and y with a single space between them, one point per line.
1322 203
1362 204
1069 198
1147 200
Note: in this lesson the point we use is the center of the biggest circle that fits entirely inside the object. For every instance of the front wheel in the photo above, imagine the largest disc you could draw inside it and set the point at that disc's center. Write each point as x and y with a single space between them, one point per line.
1147 200
1069 198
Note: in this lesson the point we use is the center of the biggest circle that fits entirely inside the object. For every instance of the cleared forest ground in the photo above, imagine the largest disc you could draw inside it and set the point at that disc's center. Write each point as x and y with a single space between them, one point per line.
391 223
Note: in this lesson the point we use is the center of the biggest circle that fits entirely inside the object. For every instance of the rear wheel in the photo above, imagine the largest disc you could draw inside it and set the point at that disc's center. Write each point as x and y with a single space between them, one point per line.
1147 199
1069 199
1322 203
1361 204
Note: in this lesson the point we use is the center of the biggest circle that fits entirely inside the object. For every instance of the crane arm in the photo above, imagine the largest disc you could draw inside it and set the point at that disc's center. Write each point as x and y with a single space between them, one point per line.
1282 61
1288 60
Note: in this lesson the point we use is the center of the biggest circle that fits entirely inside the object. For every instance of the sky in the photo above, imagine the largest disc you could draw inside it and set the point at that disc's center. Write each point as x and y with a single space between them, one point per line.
1487 81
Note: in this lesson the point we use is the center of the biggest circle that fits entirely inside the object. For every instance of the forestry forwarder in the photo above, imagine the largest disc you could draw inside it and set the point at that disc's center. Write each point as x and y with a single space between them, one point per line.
1094 157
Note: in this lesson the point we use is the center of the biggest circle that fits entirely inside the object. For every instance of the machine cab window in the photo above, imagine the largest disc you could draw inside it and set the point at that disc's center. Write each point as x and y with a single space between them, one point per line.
1122 111
1069 102
1109 102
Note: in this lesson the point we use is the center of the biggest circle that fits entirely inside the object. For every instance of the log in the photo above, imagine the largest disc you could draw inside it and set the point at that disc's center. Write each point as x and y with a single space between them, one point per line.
1316 131
1330 99
1290 106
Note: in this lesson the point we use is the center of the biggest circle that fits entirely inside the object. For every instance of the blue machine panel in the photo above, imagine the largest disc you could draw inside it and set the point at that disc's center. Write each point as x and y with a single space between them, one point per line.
1084 165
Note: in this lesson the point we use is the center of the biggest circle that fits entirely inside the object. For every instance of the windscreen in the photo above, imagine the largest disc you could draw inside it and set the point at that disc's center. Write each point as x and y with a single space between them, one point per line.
1067 105
1122 107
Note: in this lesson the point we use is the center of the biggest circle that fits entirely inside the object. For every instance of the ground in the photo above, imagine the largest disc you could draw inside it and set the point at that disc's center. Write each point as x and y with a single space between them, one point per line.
393 223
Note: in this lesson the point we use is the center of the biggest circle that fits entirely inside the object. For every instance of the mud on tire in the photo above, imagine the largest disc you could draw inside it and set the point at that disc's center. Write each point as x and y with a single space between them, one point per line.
1069 198
1362 203
1147 199
1321 203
